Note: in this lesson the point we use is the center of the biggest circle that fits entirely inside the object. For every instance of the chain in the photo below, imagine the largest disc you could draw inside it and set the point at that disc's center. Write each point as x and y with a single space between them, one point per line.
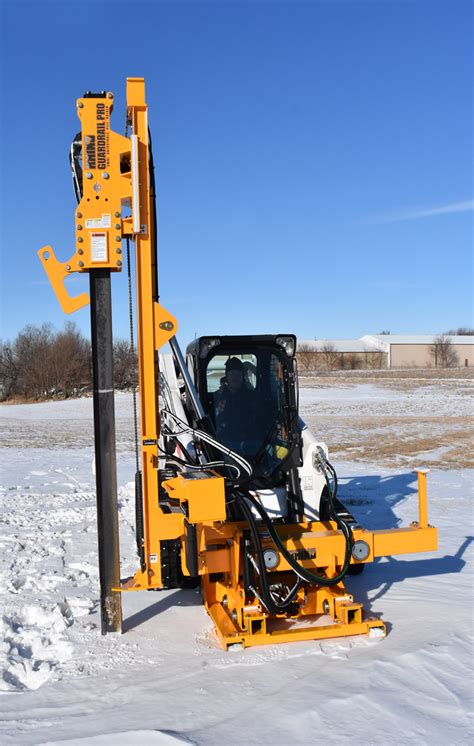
132 352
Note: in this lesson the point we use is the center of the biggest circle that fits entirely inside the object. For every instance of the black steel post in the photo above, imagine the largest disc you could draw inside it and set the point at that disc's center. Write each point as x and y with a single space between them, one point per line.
105 458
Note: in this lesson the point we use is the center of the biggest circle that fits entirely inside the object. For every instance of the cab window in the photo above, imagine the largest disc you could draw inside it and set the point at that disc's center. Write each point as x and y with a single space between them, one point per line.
246 400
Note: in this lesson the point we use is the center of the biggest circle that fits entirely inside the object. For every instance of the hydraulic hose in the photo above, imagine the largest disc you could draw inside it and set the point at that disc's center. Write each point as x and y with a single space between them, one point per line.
302 572
274 607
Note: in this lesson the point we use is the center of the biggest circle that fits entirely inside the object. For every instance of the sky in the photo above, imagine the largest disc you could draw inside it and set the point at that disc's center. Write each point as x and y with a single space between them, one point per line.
313 159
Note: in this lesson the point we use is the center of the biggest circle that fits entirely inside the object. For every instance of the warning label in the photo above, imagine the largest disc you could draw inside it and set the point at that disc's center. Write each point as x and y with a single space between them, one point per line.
103 222
98 247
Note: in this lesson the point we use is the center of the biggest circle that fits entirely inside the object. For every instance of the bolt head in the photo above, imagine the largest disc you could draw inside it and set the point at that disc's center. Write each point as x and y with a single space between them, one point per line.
80 105
116 214
88 175
105 175
80 239
118 251
80 251
79 214
110 94
118 263
68 267
79 227
118 238
117 226
81 264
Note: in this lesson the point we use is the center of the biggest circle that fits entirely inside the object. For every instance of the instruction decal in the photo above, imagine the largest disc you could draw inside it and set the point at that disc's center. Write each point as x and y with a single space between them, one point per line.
103 222
99 247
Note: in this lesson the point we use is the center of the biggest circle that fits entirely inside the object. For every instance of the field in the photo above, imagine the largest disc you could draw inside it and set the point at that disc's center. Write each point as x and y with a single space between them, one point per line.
165 681
400 419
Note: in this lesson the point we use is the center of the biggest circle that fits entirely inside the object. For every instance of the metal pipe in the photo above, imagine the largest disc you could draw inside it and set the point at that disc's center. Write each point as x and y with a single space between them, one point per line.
190 387
105 457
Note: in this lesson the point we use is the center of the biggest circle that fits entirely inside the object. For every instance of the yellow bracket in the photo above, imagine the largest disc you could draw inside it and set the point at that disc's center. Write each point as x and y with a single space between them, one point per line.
165 325
56 272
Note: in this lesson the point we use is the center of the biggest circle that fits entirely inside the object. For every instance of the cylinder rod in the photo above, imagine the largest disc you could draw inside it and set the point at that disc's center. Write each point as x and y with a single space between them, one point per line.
105 458
190 387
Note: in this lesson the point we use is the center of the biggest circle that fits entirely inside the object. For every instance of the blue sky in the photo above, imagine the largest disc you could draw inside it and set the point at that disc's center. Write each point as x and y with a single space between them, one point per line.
314 159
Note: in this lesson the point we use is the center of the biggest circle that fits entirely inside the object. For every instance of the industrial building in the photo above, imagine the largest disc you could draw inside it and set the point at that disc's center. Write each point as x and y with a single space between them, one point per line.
376 351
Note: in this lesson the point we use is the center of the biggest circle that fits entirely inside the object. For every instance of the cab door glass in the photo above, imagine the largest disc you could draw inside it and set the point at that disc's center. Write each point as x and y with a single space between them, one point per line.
247 403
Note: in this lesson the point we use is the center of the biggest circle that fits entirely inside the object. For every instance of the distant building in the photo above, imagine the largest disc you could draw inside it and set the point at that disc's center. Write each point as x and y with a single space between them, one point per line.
375 351
419 350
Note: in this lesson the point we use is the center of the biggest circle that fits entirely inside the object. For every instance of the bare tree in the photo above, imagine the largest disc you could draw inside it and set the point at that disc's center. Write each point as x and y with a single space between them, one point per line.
352 361
70 361
443 353
32 352
125 364
42 363
330 358
375 359
8 371
307 357
467 331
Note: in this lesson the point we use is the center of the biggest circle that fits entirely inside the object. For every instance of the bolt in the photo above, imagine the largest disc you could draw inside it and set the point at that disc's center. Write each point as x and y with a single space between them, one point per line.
110 94
116 214
105 175
81 264
80 105
80 251
68 266
167 326
79 214
88 175
150 573
326 606
118 251
117 226
118 238
80 239
79 227
224 602
118 263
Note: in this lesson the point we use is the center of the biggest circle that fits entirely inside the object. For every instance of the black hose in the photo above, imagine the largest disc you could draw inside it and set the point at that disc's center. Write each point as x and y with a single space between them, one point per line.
302 572
153 216
274 607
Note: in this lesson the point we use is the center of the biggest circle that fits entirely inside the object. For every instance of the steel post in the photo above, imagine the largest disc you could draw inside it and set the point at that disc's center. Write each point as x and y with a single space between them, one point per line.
105 458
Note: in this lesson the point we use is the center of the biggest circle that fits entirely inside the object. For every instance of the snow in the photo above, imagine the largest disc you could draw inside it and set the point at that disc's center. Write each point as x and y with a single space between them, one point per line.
165 680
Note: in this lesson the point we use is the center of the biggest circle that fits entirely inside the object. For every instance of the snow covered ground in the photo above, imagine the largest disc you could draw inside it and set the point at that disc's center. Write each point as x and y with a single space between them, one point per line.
165 680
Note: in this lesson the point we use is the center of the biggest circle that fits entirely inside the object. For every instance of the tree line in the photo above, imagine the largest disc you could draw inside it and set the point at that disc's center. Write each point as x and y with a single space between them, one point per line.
43 363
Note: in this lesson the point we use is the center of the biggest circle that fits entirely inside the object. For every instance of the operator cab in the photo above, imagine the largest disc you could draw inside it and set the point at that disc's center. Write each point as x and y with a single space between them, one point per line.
247 387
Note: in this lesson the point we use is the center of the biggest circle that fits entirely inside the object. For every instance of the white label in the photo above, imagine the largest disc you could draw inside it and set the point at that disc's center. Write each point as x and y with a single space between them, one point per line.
99 247
152 558
103 222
